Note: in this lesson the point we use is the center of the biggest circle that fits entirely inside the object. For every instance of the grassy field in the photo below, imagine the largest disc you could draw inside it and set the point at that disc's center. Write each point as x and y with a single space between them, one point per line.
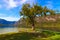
28 34
44 31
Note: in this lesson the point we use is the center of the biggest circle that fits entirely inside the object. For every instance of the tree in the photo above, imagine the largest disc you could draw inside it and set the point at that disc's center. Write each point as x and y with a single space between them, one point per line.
38 10
30 13
52 12
45 10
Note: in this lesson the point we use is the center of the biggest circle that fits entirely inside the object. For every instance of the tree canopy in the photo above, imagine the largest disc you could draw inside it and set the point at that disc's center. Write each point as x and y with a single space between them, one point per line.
30 12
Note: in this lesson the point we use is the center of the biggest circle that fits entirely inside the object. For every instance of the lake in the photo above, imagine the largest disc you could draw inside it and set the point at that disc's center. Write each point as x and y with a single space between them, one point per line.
7 30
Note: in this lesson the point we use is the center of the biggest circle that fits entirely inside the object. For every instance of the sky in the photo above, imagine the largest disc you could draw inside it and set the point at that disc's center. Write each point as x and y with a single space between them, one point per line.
9 9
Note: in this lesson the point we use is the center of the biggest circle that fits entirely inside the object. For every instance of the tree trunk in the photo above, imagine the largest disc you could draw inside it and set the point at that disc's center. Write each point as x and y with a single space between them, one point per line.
33 27
44 14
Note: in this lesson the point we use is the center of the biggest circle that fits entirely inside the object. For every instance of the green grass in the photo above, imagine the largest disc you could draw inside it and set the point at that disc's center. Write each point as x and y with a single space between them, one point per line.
55 26
28 34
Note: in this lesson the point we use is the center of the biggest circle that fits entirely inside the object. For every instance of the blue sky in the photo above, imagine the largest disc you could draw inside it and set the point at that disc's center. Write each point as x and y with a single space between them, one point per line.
9 9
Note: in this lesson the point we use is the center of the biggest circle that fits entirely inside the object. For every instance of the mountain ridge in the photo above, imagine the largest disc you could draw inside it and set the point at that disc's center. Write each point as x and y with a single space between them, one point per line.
4 23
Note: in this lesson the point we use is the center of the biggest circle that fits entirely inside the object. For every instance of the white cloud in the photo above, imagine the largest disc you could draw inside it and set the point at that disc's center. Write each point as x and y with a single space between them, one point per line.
10 18
9 4
22 1
13 3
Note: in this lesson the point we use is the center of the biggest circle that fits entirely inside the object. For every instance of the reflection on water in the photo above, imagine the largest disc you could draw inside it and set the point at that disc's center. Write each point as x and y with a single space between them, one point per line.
7 30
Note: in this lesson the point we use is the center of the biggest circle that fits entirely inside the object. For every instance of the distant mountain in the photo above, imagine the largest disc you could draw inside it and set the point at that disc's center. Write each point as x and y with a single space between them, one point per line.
5 23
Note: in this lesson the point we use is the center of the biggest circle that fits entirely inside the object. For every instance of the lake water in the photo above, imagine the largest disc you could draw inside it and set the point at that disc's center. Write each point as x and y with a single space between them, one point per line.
7 30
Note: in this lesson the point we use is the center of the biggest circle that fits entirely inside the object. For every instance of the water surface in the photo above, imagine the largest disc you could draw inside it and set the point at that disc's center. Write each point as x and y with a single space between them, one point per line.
7 30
